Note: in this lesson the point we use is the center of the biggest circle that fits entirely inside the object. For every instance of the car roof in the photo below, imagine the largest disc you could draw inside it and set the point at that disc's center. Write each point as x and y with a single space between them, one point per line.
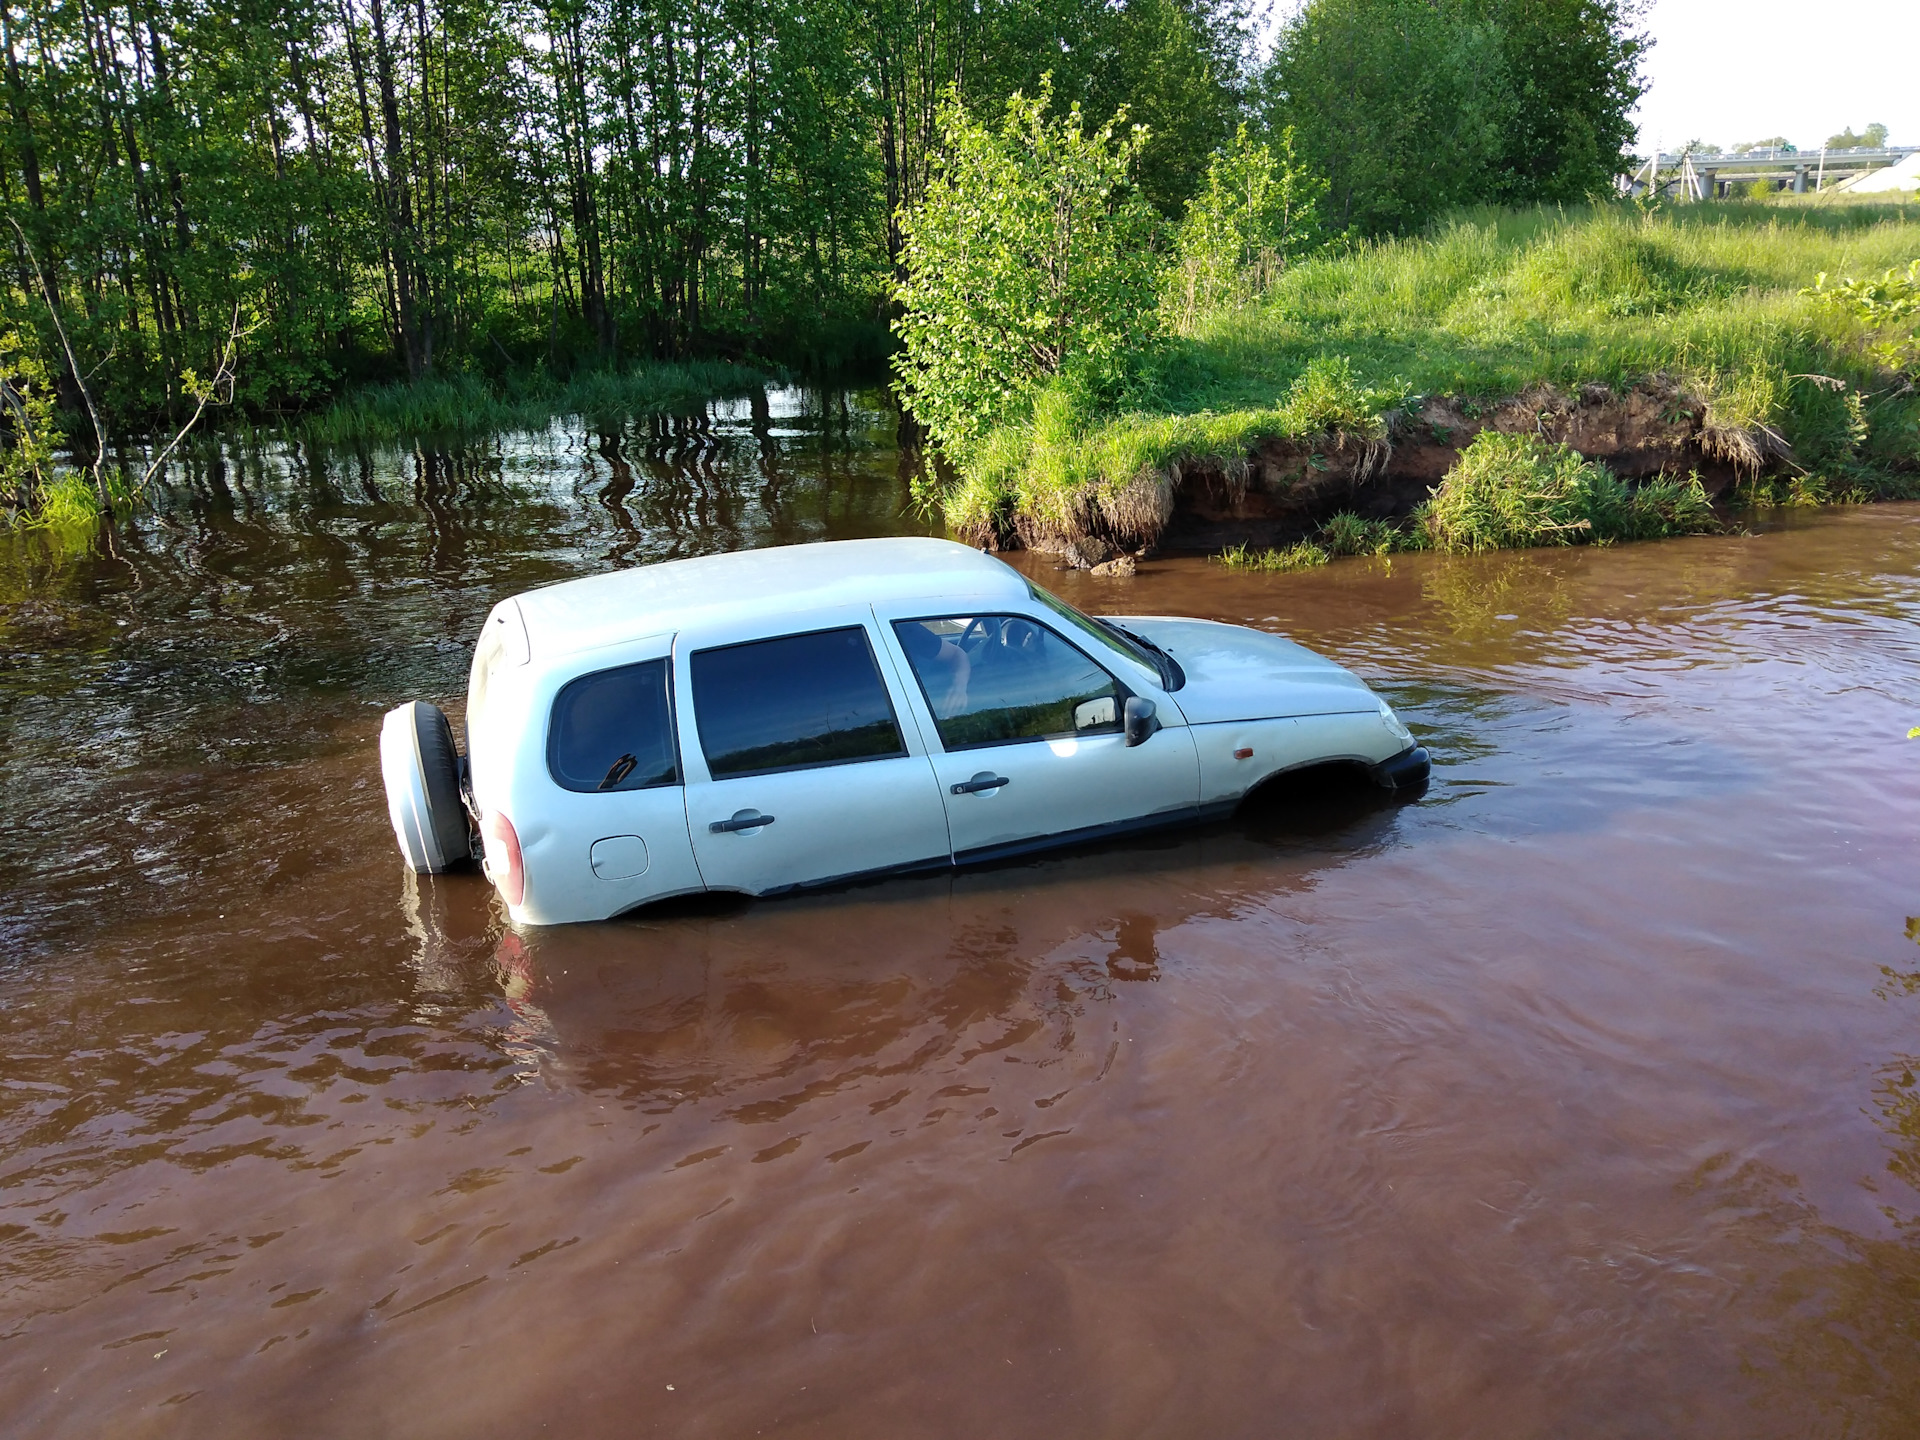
622 605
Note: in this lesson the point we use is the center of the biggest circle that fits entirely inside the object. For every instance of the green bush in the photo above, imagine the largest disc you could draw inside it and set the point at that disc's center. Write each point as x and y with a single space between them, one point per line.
1350 534
1329 396
1654 509
1258 212
30 490
1511 491
1889 307
1030 259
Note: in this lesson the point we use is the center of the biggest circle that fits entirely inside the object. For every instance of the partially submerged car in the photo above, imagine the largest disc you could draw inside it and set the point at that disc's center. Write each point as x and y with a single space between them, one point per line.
776 719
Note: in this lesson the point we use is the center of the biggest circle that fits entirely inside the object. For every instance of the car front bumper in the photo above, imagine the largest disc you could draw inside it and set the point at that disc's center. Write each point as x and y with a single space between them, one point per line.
1407 771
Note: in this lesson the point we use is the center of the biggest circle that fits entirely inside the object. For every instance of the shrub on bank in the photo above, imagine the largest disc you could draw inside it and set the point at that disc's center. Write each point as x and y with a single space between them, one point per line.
1350 534
1513 491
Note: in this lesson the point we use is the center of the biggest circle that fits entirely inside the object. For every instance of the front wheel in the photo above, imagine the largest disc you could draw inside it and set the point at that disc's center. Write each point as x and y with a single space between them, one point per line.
422 774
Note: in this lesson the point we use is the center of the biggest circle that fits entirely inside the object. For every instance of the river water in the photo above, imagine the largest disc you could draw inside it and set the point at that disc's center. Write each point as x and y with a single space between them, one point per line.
1576 1099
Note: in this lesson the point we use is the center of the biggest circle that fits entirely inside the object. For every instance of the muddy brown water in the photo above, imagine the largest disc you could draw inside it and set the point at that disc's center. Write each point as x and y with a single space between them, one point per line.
1575 1100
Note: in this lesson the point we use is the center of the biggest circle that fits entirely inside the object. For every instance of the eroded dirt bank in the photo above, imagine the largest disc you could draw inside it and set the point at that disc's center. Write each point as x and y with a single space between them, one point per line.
1284 489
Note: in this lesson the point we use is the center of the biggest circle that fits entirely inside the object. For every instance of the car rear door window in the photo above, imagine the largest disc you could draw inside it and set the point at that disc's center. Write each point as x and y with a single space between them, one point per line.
613 730
792 703
990 679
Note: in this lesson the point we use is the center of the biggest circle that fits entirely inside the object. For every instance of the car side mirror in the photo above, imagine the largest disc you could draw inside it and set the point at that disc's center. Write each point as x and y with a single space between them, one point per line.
1142 721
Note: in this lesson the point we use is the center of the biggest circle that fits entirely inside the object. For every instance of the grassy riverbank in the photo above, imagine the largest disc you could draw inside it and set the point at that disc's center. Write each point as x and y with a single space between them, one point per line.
467 404
1699 305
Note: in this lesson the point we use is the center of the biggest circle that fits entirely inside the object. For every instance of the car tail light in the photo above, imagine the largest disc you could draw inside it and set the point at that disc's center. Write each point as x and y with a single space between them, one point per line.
503 864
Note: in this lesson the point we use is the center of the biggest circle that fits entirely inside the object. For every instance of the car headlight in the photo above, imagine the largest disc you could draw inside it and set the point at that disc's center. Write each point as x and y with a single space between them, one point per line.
1393 723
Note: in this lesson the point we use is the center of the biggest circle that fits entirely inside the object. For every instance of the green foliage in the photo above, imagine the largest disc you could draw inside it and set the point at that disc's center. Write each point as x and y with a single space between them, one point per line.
1495 301
1761 189
1030 258
1349 534
1173 66
1655 509
1302 556
453 190
1509 491
27 433
1889 306
1399 104
67 505
35 495
1066 466
1513 490
1328 395
1612 266
1257 213
1872 138
1772 142
1707 296
1572 68
1412 106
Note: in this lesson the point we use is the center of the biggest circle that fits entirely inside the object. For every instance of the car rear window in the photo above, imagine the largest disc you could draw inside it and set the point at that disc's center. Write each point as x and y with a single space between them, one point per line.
792 703
613 730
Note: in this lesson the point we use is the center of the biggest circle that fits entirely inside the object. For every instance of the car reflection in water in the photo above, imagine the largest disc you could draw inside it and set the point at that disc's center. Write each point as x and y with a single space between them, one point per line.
755 1008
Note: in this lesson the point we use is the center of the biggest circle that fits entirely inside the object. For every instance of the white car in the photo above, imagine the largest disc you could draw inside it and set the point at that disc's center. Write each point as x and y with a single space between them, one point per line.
785 718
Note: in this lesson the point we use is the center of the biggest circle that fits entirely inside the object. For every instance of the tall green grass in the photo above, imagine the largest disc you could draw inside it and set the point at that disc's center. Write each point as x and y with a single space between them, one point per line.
1488 304
1511 491
465 404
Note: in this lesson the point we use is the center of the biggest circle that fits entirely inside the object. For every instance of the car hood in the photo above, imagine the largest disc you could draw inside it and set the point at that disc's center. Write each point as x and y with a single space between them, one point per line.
1234 673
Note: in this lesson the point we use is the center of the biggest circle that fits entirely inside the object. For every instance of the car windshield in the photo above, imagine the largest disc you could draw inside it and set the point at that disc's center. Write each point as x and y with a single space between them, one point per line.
1113 638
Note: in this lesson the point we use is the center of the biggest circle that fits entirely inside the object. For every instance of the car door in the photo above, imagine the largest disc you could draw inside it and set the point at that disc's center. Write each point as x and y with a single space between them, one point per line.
1031 749
610 829
801 768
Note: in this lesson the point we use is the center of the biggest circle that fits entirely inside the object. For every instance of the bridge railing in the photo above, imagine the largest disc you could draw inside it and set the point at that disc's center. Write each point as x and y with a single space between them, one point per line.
1701 174
1856 158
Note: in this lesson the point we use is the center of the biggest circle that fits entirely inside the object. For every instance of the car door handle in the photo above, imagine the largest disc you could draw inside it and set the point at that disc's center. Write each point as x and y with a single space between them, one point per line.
985 780
742 820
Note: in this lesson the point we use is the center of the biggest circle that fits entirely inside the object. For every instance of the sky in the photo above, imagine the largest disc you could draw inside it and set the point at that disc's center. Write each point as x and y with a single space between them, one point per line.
1725 71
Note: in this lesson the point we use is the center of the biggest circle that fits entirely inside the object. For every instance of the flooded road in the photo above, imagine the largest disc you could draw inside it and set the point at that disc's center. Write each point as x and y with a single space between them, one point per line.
1577 1099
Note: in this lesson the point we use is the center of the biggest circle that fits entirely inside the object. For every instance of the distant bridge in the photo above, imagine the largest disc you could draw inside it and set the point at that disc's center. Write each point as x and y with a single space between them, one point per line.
1703 175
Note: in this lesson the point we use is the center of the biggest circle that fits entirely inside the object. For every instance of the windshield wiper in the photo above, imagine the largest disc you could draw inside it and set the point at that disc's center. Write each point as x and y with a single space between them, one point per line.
1172 677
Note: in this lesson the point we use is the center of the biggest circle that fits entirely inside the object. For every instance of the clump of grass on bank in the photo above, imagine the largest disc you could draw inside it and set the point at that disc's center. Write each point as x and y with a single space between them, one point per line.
1350 534
1494 301
1512 491
1304 556
461 404
1343 534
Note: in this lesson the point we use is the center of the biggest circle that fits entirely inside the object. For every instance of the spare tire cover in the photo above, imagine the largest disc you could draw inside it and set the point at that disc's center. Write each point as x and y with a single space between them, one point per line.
422 775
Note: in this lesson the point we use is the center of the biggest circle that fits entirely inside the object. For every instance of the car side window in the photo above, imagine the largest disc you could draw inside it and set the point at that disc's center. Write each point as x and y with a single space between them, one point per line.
792 703
990 679
613 730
